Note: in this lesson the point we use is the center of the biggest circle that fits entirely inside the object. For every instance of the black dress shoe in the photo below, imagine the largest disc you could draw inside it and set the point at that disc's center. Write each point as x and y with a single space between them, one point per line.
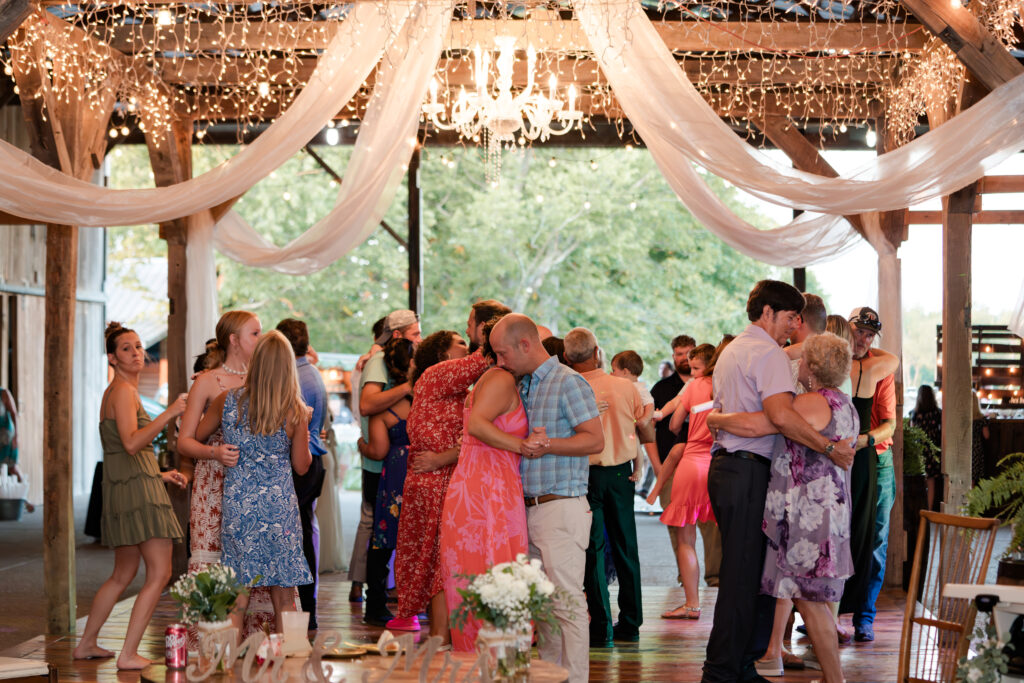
624 635
601 643
378 619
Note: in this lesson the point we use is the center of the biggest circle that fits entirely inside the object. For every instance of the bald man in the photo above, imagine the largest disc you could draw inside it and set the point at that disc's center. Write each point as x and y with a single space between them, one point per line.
555 468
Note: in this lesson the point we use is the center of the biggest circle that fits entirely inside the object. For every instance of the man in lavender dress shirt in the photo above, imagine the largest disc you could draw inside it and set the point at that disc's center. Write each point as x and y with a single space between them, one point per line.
752 375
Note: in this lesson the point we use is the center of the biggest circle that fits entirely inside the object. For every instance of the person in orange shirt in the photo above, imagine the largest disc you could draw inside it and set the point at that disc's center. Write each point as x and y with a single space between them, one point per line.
610 493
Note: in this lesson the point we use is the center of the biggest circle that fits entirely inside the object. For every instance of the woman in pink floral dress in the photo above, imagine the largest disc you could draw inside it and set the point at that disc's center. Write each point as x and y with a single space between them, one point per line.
237 333
484 517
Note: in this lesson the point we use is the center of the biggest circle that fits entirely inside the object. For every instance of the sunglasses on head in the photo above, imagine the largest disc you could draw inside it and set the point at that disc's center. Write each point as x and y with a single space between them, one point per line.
870 323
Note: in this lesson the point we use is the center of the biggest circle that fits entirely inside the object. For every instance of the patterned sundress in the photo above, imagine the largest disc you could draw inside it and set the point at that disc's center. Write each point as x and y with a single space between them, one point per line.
261 532
807 514
204 535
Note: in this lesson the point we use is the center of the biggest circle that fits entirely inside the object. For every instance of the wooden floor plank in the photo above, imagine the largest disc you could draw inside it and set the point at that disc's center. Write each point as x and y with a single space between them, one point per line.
667 651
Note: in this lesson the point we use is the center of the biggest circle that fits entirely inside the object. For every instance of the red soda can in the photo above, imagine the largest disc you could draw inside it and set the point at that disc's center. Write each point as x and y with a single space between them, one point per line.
176 646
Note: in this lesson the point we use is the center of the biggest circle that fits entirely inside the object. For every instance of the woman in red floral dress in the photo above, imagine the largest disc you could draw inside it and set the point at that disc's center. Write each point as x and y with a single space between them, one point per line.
444 372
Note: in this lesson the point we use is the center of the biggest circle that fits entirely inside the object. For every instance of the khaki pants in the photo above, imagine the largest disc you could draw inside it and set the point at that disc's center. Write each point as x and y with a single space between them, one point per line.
559 532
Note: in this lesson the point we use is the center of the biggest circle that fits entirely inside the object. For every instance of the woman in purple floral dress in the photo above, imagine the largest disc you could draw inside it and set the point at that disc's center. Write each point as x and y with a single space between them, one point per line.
807 509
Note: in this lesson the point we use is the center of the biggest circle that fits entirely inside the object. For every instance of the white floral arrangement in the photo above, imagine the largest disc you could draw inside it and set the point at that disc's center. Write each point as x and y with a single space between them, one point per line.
208 594
509 596
990 660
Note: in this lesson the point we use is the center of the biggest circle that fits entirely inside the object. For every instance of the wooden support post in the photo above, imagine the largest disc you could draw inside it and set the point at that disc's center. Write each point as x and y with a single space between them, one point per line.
58 374
170 155
956 346
800 279
415 236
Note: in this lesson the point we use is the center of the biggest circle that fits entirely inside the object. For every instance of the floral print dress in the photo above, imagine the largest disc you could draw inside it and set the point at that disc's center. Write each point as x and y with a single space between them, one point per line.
807 514
261 533
435 424
389 491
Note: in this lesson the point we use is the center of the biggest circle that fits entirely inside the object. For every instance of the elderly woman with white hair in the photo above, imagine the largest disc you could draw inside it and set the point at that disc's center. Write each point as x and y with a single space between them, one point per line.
807 509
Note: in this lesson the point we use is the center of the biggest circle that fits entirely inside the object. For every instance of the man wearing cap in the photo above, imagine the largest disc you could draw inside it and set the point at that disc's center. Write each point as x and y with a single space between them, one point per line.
877 449
375 396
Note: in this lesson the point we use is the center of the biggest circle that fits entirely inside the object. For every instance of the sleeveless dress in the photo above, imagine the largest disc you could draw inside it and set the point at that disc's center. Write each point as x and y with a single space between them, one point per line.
136 506
689 502
484 517
261 532
204 537
864 499
807 514
389 491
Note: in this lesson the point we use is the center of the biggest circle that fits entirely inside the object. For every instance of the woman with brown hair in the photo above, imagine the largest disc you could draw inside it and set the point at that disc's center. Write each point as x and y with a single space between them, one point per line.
138 521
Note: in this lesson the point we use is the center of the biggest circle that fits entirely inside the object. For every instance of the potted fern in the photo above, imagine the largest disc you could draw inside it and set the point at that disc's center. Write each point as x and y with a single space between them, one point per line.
1003 497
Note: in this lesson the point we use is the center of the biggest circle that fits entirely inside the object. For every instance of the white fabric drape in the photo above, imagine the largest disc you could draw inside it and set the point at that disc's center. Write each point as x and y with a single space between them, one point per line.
387 137
678 120
200 285
30 189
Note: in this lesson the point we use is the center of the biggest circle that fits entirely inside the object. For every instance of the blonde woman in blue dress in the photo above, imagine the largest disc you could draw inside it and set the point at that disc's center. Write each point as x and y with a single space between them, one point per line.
261 534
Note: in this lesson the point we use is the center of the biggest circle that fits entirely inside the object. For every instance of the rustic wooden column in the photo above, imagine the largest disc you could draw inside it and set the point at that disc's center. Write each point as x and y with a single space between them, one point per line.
170 156
415 236
58 411
68 132
956 345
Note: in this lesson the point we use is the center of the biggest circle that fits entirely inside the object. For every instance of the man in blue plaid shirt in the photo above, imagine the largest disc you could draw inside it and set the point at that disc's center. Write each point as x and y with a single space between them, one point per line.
565 431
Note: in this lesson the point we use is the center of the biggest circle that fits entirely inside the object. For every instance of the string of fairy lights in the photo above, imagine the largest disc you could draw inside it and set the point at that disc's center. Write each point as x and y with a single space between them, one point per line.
834 62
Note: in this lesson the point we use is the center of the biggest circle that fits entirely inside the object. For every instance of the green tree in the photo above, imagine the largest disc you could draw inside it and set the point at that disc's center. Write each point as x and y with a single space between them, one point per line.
597 239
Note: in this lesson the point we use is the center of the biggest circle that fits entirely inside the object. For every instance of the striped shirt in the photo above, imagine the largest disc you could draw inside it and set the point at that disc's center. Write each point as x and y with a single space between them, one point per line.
559 399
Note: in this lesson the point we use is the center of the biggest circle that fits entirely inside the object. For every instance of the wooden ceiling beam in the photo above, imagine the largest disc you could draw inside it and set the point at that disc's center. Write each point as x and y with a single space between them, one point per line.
210 71
12 14
562 36
980 51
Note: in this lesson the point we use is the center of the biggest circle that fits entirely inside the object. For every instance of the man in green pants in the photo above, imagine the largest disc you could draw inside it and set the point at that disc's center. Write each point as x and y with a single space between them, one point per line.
610 493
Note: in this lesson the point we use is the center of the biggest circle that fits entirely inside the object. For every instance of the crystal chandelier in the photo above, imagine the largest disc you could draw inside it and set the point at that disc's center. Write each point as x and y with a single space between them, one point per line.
501 118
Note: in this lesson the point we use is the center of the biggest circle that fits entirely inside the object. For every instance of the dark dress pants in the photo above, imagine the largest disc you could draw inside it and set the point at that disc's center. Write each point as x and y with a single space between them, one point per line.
307 490
743 617
610 496
863 510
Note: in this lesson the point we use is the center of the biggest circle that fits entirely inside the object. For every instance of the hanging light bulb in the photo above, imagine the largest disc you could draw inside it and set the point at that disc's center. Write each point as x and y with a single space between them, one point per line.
870 138
332 136
164 18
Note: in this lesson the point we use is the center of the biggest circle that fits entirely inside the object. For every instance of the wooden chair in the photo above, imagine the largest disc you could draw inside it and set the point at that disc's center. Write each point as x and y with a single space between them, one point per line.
936 629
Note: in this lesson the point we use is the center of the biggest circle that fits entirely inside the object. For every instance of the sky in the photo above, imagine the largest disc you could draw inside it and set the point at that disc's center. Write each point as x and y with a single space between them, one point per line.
996 277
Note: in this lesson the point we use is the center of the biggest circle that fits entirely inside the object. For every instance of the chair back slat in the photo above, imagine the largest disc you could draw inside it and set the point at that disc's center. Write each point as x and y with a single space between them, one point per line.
936 629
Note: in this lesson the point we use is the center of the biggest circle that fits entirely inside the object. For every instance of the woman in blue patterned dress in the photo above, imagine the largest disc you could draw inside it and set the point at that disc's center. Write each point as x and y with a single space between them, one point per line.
267 420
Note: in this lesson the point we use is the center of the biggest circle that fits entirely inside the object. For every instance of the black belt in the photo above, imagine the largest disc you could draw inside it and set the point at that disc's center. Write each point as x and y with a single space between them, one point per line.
545 498
747 455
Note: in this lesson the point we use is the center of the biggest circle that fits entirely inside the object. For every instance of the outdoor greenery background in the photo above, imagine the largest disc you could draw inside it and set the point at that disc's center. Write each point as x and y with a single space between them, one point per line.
597 239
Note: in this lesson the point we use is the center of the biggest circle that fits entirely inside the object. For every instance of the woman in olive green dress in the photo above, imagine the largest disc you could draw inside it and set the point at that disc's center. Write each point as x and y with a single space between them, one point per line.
137 518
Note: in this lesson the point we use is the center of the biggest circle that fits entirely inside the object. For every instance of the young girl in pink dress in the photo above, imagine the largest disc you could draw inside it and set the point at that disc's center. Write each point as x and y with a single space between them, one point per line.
689 503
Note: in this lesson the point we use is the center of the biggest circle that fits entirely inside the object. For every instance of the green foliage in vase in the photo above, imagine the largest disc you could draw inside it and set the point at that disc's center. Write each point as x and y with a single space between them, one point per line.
209 594
918 450
989 661
1003 496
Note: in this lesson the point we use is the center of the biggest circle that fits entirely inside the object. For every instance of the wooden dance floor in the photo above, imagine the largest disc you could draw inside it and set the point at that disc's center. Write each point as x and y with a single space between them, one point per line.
667 651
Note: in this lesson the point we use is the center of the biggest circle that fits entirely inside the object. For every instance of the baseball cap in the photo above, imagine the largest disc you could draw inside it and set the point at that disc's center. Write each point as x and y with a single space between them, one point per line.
396 320
866 319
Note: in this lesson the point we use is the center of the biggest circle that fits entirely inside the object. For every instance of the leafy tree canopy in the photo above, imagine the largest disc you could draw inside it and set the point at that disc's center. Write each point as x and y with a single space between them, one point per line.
596 239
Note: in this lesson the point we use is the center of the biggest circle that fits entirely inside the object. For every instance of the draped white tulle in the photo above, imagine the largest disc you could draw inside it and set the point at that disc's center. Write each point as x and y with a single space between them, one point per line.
30 189
677 125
